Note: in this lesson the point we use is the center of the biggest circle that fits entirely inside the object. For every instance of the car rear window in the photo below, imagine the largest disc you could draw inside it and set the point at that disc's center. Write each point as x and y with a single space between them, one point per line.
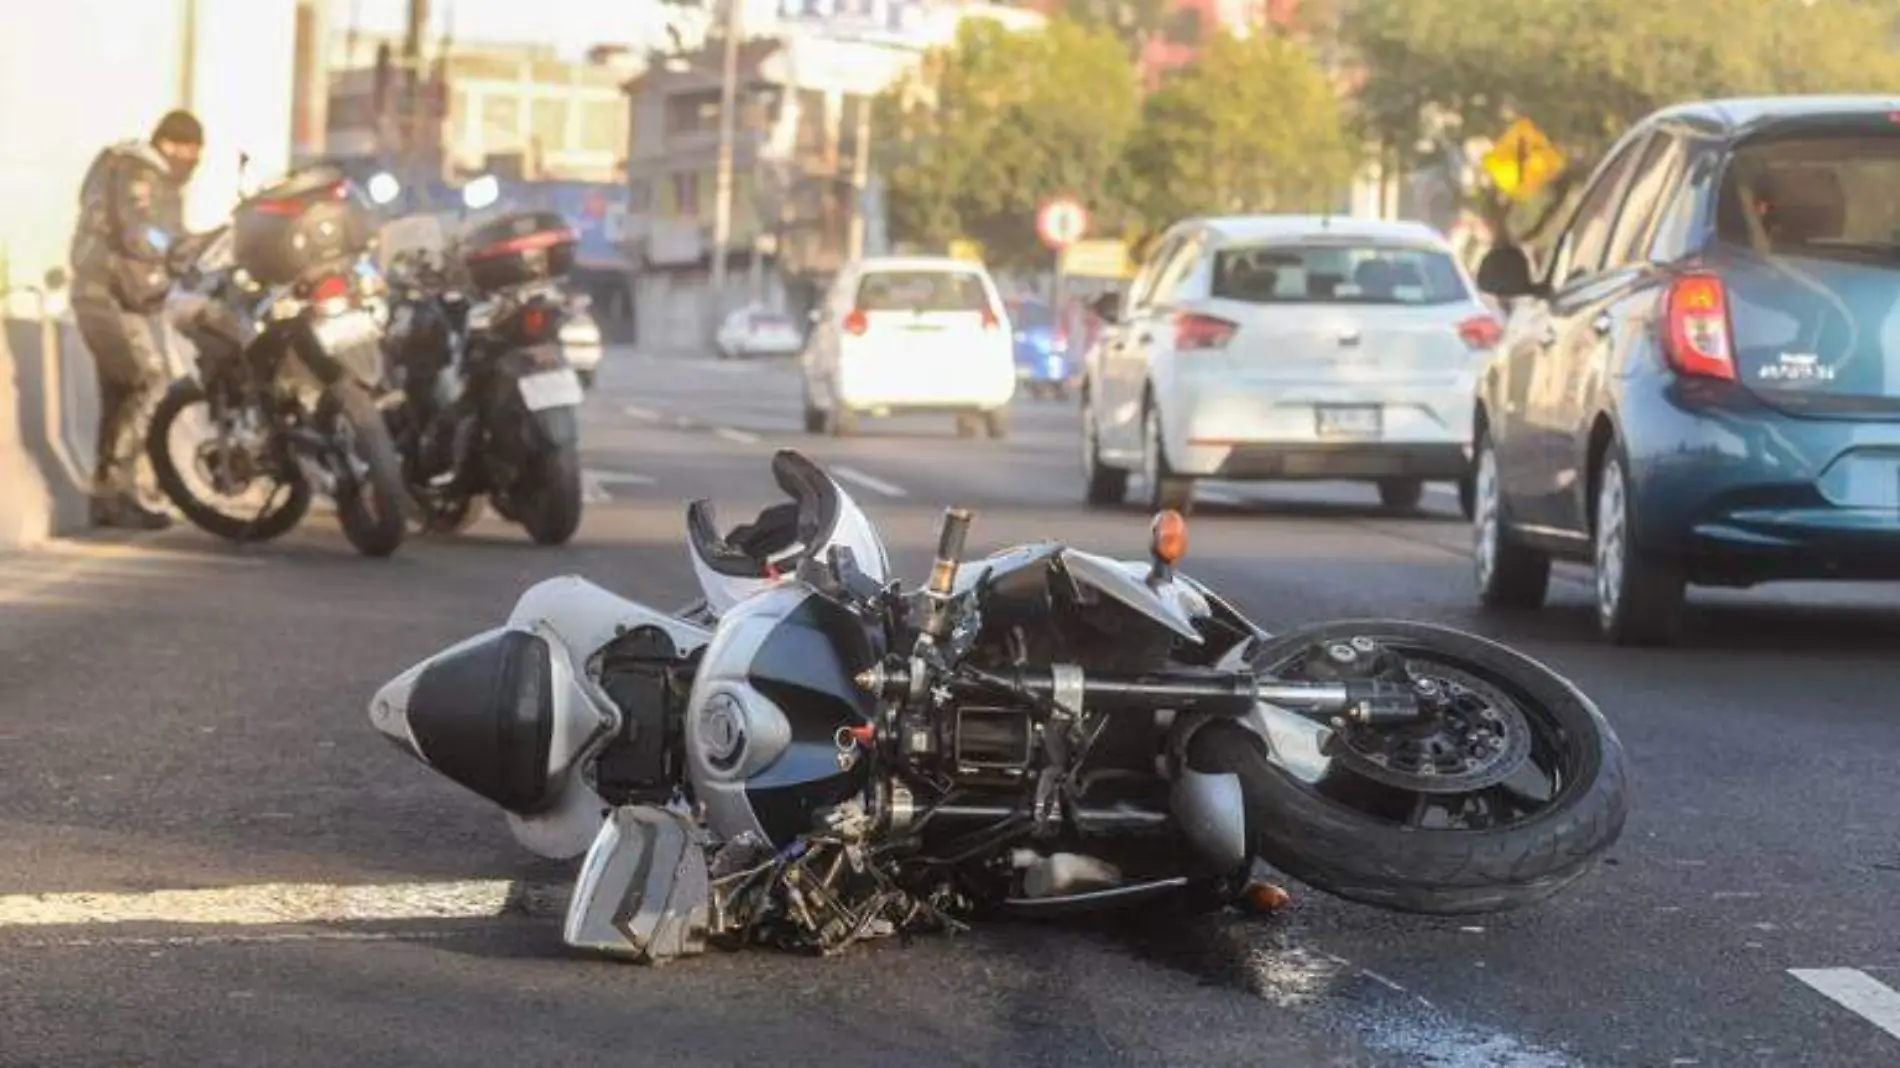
1818 196
922 291
1339 273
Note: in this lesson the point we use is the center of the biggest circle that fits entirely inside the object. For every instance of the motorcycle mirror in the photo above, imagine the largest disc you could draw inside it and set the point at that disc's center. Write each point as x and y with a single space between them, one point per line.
383 187
481 192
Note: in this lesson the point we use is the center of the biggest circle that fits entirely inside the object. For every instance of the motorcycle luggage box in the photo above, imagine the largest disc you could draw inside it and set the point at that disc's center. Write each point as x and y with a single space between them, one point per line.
310 220
518 248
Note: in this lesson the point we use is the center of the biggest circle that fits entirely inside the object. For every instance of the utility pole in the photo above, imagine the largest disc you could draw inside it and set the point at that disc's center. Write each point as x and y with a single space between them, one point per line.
412 62
722 184
860 175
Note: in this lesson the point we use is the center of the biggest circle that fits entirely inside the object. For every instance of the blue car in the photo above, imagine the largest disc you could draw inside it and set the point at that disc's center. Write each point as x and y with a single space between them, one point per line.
1043 365
1702 388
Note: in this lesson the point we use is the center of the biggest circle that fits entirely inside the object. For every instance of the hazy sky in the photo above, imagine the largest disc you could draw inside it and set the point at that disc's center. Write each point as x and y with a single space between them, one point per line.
570 25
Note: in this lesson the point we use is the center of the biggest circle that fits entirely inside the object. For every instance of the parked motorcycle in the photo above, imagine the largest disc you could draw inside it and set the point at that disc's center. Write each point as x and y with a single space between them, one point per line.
490 403
812 754
289 371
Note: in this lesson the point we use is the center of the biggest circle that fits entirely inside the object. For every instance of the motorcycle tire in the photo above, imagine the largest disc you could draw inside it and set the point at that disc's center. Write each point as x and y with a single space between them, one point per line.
373 517
269 526
1356 855
551 509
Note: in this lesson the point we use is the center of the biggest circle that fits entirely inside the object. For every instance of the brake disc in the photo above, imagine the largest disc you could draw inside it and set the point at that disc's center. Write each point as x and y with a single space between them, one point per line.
1476 738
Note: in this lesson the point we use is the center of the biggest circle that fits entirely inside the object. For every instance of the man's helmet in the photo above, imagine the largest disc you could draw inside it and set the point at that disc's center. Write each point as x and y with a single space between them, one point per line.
756 555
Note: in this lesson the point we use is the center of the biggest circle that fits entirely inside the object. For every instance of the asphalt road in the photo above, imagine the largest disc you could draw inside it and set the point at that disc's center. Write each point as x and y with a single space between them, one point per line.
176 714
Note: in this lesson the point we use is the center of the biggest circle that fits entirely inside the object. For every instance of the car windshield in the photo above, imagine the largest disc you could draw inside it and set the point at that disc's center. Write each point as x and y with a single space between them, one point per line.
922 291
1829 197
1030 315
1329 273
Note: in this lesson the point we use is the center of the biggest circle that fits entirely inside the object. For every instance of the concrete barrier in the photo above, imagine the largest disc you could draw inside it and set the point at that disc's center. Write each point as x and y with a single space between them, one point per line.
49 418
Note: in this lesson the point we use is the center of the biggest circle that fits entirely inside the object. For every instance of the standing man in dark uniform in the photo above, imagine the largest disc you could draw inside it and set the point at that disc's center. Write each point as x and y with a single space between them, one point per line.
131 216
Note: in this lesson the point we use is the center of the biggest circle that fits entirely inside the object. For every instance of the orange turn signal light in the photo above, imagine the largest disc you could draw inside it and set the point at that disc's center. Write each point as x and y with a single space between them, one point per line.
1169 532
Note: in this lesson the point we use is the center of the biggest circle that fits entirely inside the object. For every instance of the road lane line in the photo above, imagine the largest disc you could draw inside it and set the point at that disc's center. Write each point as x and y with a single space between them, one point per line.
743 437
1858 992
876 485
609 477
638 412
281 903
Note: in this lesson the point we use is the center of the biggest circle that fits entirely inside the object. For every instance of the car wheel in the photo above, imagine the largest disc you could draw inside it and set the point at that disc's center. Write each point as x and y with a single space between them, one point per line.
1401 492
1509 575
1640 596
1105 484
1165 489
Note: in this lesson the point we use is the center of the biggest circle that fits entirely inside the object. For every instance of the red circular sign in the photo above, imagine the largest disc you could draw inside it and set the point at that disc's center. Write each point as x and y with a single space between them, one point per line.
1061 223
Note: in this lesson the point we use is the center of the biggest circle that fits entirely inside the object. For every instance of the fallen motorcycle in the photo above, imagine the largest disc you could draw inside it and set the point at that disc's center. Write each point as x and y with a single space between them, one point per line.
812 755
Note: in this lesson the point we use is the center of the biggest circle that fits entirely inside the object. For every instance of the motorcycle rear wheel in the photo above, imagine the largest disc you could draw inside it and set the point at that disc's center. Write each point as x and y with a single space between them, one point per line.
1342 835
551 509
372 514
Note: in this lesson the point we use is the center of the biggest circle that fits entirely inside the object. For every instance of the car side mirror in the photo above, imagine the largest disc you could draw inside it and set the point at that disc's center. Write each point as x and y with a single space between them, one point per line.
1506 272
1108 307
55 278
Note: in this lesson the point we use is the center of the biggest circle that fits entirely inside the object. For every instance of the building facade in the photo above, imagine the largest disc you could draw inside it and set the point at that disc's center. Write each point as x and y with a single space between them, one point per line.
805 90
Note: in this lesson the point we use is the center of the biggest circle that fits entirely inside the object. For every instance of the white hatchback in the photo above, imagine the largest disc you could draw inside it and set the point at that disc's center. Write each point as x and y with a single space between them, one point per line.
1276 347
900 334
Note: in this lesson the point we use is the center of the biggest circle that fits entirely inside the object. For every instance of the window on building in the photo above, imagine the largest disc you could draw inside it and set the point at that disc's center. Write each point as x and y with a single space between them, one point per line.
686 196
855 110
548 124
691 113
501 118
604 126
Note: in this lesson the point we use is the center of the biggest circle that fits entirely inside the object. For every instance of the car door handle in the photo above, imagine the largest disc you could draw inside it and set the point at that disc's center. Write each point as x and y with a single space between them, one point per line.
1602 324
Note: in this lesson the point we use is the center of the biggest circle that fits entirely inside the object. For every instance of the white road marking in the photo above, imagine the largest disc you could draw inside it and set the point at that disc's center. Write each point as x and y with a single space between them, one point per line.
280 903
610 477
1216 496
743 437
638 412
876 485
1858 992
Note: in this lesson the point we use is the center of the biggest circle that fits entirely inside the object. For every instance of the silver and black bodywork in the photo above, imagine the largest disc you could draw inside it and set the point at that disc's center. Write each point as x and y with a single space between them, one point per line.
1043 730
289 369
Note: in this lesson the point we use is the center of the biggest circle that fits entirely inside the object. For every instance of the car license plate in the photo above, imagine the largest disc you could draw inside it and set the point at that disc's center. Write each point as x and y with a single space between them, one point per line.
1348 421
340 333
550 389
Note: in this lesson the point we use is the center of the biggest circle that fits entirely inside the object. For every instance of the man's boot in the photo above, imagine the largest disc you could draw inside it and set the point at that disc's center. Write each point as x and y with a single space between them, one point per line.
126 512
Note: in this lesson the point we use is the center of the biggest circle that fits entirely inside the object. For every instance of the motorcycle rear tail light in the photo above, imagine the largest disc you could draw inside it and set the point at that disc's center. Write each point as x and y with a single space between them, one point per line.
856 323
331 295
1480 332
1696 334
534 322
1194 332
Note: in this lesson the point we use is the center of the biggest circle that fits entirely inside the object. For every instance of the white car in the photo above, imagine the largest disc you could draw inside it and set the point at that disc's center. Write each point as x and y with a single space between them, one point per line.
757 331
1277 347
900 334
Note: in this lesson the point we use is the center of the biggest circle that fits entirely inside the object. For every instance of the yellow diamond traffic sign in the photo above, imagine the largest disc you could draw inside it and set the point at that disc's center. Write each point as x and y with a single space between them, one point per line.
1523 161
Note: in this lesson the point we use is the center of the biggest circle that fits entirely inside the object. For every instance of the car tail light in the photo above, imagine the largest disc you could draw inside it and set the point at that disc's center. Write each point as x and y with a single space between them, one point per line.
1193 331
856 323
1480 332
1696 336
331 295
990 321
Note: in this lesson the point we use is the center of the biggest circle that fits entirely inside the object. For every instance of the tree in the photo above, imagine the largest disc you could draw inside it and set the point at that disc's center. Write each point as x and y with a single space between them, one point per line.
1436 72
999 122
1254 126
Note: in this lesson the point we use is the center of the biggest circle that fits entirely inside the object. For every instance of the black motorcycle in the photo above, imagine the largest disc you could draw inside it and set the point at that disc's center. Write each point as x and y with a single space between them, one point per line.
489 403
289 371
